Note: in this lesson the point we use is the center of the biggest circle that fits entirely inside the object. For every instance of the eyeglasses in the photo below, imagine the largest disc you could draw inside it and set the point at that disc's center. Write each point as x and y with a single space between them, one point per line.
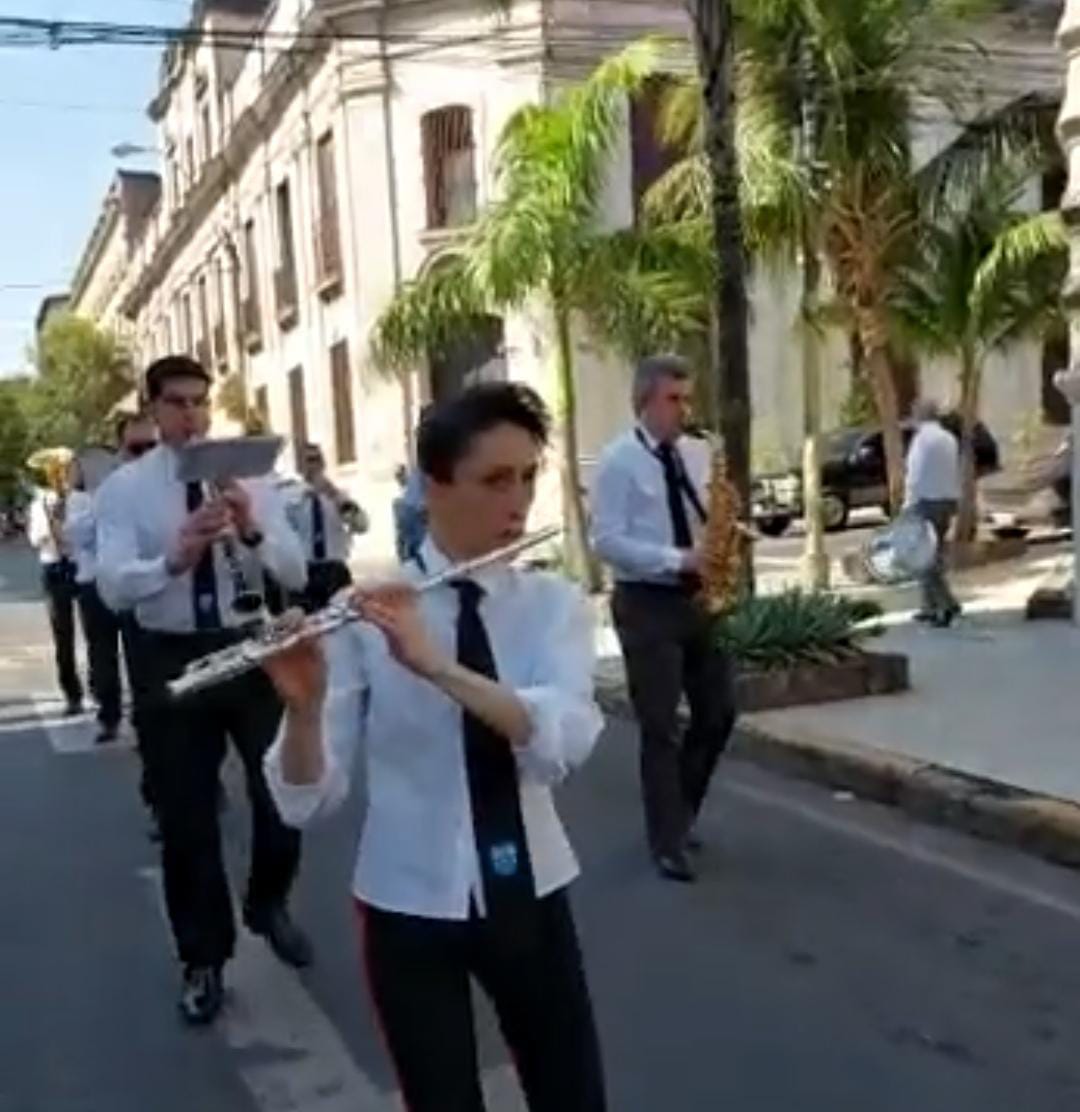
178 401
140 448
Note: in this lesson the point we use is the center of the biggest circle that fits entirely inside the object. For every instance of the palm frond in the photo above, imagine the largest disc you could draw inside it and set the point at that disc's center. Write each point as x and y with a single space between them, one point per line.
429 316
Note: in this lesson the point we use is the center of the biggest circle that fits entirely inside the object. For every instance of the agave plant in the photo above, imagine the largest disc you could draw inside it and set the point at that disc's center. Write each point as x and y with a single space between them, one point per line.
795 627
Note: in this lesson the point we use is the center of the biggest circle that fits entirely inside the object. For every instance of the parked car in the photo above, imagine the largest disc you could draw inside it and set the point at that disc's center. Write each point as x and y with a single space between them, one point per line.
852 477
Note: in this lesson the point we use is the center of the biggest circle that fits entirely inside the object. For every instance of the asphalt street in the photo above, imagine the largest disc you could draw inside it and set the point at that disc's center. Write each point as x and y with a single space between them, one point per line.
834 956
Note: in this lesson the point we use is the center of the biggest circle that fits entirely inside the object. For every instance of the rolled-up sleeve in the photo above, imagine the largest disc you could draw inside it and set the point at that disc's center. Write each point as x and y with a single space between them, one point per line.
560 700
343 725
280 551
612 534
123 578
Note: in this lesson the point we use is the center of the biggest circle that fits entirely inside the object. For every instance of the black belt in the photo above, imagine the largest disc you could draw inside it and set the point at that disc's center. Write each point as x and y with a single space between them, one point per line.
684 590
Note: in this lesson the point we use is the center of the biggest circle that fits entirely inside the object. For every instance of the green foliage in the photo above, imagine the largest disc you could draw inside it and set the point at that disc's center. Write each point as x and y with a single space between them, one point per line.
14 436
777 631
83 374
857 409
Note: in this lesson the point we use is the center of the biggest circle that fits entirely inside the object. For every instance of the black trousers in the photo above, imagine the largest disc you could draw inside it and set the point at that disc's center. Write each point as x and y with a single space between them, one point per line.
185 746
668 651
419 972
101 627
137 681
58 582
324 579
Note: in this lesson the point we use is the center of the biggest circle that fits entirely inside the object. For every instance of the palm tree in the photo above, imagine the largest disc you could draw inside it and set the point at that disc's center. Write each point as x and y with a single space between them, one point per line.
987 275
713 25
541 241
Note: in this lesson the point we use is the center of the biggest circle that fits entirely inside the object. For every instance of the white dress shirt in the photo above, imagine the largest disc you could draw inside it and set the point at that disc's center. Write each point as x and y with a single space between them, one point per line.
39 530
80 532
631 521
933 466
337 534
140 509
417 852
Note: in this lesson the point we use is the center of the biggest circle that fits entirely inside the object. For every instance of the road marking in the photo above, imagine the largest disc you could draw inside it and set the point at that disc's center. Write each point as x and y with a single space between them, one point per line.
288 1053
905 848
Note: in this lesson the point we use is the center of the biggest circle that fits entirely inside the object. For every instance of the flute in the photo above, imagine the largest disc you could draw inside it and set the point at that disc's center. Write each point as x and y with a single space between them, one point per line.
235 660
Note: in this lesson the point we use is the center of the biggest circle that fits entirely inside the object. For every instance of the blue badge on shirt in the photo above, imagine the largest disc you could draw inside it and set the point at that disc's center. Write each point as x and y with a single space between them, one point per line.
504 859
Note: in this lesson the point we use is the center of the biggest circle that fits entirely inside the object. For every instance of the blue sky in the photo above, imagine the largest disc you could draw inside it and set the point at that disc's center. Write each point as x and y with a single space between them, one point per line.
60 112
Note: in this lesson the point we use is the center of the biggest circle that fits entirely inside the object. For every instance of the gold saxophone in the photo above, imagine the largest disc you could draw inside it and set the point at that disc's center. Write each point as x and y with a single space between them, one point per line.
723 542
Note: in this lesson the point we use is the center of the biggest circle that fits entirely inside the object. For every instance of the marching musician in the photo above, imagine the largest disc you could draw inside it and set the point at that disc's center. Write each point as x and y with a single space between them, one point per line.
470 702
101 627
326 519
648 511
45 531
161 551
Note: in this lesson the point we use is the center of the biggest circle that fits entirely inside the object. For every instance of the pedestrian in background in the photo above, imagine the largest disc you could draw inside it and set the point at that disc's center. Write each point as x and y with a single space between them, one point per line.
648 513
932 490
45 532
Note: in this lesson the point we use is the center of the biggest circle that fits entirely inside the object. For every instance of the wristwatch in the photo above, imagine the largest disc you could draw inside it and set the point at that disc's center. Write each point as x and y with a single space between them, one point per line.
252 539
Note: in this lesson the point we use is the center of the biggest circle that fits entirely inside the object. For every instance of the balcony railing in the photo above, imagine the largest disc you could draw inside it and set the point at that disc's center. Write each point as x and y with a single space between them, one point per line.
329 275
285 295
251 318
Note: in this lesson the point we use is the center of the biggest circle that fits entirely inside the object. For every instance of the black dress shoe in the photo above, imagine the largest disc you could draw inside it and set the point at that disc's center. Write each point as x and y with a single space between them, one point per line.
73 709
283 936
674 866
202 994
693 842
107 735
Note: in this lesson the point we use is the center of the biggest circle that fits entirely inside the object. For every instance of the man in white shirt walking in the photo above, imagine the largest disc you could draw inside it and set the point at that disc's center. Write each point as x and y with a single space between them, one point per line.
45 532
469 702
932 490
326 520
648 511
161 548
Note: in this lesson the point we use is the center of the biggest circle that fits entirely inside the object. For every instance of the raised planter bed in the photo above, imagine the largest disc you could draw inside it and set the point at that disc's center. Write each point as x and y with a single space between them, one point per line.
866 673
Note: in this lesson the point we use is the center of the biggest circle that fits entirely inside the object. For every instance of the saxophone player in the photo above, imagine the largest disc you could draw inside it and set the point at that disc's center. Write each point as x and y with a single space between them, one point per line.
648 507
161 553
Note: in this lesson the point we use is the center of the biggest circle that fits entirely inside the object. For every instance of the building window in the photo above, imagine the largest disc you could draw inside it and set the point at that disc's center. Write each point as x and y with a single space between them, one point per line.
449 166
285 294
190 170
262 407
297 411
341 386
650 156
250 312
328 226
219 343
172 175
206 132
202 346
187 329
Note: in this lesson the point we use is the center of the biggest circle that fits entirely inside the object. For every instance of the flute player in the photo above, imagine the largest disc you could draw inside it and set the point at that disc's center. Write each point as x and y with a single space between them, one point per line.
469 702
160 553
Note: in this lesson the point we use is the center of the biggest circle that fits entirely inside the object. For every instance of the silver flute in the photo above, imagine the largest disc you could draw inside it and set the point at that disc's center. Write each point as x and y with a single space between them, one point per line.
249 654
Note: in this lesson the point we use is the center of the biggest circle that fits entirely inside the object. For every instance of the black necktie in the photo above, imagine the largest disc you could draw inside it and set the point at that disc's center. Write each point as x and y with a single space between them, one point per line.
318 527
203 576
673 480
499 828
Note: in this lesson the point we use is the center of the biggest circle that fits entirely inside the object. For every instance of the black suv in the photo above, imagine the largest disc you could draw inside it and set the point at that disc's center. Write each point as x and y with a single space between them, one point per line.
852 476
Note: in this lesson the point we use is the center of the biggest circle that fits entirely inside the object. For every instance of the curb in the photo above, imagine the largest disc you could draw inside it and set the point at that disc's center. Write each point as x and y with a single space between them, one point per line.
1041 825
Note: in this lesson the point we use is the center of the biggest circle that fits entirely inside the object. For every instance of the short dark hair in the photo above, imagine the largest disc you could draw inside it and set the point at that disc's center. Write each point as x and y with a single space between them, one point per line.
124 420
171 367
449 428
311 448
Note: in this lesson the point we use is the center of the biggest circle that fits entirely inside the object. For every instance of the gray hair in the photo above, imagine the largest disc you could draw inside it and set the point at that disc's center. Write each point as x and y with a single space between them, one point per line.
926 409
652 370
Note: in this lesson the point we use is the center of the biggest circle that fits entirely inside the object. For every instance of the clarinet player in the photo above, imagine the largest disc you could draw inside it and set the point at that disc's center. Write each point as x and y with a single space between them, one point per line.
469 703
648 511
160 543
